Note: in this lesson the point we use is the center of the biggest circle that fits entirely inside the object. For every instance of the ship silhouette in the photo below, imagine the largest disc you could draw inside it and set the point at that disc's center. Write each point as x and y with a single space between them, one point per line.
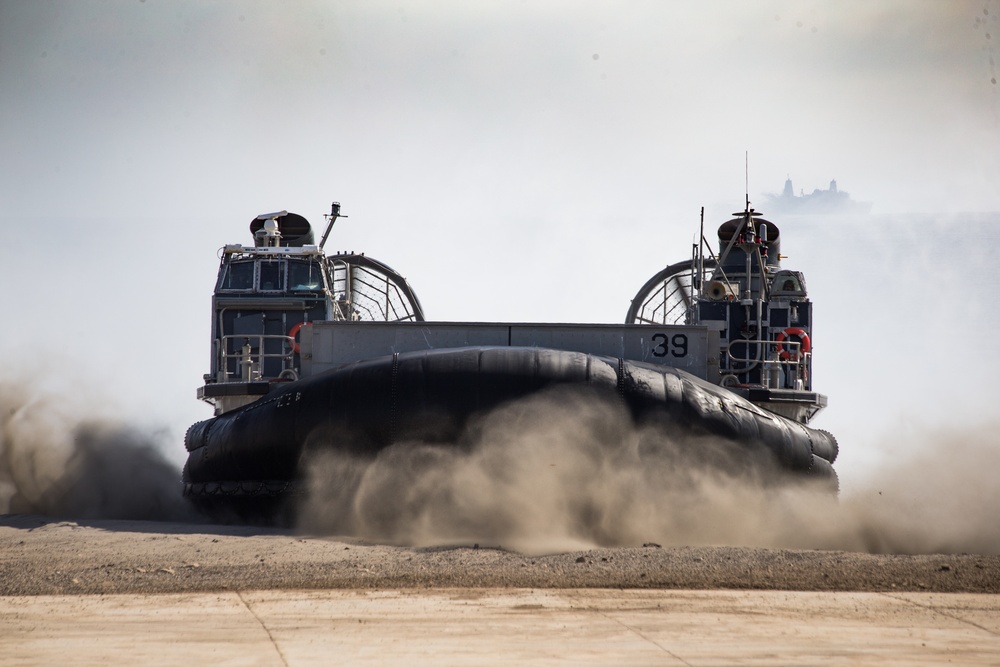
832 201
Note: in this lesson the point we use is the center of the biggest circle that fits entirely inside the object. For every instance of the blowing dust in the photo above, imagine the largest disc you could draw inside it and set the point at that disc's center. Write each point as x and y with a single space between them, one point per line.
57 460
559 471
564 472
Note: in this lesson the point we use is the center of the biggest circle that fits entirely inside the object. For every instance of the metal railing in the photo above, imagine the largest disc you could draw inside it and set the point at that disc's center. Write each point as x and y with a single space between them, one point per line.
250 359
790 372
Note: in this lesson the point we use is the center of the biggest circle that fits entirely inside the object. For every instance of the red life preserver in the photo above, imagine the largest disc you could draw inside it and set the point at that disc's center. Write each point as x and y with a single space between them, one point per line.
292 333
805 346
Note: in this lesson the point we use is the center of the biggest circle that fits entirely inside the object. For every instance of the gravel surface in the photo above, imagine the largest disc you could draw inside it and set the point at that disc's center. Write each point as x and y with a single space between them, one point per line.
41 555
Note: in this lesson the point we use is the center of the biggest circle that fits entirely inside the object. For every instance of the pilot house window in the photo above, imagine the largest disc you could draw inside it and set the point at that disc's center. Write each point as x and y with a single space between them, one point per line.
304 276
272 276
239 277
788 283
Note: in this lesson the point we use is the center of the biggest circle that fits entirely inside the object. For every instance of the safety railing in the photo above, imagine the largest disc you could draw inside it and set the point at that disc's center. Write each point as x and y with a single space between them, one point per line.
784 364
250 357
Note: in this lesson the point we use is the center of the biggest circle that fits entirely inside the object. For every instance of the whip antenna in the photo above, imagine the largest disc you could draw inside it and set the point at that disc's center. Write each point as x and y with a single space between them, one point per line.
746 176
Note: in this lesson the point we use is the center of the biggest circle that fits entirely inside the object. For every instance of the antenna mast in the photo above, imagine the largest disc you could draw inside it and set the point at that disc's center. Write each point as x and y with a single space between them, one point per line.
332 217
701 252
746 177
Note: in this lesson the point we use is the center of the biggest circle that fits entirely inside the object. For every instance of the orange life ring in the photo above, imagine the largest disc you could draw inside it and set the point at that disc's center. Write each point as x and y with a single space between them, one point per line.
805 346
292 333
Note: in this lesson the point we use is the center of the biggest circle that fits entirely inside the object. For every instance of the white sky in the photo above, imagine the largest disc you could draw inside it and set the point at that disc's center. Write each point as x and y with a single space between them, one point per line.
532 161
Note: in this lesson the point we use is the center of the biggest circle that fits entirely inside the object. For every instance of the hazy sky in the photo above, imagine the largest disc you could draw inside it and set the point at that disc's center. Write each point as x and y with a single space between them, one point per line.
515 160
470 106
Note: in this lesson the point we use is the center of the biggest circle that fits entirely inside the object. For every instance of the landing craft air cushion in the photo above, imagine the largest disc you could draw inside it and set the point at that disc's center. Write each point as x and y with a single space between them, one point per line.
314 352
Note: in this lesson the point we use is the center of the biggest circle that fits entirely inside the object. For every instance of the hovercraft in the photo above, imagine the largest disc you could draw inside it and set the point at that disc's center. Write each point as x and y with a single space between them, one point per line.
313 351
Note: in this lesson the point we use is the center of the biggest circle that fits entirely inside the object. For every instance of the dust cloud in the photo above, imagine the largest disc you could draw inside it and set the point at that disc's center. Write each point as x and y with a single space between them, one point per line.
556 472
58 460
937 495
561 472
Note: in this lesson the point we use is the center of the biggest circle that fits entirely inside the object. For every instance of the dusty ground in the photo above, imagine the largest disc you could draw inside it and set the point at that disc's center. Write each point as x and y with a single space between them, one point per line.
42 556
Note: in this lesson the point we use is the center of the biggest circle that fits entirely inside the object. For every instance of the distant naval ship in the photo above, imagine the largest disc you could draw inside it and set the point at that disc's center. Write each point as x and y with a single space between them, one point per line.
819 202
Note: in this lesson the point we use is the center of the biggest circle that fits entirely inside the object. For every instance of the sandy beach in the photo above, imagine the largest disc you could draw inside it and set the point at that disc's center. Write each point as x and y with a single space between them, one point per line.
46 556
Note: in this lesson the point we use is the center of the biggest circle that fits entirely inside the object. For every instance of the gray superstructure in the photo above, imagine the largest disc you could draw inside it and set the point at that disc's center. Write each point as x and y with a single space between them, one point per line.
760 314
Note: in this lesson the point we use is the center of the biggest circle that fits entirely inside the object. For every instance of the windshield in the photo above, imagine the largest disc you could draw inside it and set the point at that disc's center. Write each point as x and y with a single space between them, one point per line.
272 275
304 276
239 277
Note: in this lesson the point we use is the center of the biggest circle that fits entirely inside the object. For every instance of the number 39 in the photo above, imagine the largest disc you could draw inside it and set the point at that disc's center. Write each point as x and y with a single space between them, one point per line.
679 343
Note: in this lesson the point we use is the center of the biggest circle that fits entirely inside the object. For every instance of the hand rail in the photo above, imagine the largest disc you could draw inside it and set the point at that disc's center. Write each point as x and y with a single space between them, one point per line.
250 362
775 369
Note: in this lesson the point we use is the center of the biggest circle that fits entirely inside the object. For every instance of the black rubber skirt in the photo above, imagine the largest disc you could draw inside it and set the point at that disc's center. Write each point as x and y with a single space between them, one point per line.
429 396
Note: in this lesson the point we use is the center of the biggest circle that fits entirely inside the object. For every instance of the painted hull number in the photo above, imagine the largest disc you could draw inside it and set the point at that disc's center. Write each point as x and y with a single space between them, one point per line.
676 345
288 399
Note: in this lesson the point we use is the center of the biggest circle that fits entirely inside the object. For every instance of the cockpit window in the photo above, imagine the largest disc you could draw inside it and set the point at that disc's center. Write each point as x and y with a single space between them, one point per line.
788 283
272 275
239 277
304 276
